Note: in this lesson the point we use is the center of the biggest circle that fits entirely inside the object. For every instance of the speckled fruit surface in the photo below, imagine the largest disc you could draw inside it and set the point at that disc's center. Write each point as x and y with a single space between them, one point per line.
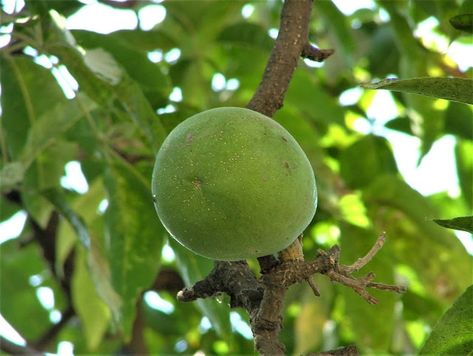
230 184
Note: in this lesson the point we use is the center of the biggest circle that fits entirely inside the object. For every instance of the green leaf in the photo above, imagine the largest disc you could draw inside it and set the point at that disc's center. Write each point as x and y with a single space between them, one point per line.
45 173
464 163
463 22
194 268
85 207
368 157
10 175
452 335
16 267
458 120
99 273
464 223
148 75
101 77
92 311
8 207
456 89
56 198
28 91
134 236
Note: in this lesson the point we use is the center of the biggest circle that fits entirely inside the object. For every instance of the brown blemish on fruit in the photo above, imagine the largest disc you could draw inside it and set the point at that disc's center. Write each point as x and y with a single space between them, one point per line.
197 183
284 139
189 137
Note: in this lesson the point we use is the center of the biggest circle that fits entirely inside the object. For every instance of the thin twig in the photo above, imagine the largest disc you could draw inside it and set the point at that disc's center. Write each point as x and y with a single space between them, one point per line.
316 54
363 261
43 342
388 287
14 349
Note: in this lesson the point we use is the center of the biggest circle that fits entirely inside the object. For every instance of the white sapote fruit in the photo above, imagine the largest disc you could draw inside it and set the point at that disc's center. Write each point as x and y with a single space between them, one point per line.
230 183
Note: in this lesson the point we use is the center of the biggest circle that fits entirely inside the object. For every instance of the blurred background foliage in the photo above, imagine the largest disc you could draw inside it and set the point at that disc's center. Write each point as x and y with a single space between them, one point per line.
83 114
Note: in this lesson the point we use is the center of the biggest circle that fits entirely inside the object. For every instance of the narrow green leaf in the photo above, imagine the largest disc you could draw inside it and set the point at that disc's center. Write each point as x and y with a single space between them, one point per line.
86 208
134 236
464 223
100 272
452 335
92 311
464 163
98 266
456 89
463 22
194 268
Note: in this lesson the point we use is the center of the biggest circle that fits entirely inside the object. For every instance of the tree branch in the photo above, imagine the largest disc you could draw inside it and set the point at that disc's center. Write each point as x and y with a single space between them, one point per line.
292 36
43 342
315 54
263 298
14 349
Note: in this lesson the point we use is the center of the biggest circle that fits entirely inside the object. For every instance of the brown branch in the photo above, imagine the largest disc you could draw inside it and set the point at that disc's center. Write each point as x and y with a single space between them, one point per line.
45 340
169 280
263 298
316 54
350 350
293 34
233 278
14 349
361 262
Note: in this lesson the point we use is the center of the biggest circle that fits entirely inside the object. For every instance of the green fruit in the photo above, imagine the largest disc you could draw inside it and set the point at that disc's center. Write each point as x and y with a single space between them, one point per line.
230 184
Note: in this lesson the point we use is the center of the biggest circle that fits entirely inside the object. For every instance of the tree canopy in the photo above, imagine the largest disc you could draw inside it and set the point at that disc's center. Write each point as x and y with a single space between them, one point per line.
96 268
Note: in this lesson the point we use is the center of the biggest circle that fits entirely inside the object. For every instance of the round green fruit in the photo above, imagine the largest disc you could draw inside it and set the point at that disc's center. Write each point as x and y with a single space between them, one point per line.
230 184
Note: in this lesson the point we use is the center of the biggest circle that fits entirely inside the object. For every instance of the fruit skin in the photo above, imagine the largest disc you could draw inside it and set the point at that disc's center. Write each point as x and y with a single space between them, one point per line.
230 183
